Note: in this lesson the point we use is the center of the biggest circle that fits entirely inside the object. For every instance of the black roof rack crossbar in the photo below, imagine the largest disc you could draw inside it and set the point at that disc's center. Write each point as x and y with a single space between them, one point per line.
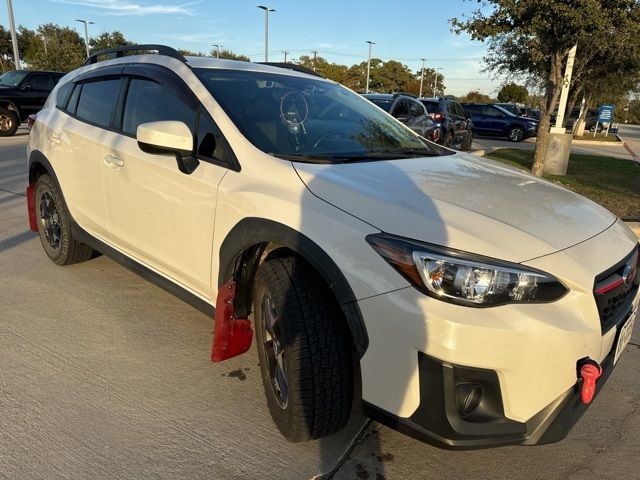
292 66
119 52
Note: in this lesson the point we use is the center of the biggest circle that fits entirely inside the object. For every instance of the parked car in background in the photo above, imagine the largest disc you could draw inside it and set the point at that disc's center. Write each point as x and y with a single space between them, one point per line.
520 110
591 119
456 128
408 110
23 92
492 120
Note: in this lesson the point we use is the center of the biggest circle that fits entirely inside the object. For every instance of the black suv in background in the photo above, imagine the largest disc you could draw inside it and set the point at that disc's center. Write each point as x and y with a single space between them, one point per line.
23 92
456 129
407 109
492 120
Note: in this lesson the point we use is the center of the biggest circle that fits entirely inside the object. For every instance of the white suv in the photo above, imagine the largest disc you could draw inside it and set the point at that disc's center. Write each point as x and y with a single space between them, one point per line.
480 304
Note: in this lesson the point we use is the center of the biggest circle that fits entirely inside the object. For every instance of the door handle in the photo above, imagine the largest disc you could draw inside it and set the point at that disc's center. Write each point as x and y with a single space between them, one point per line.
54 139
113 161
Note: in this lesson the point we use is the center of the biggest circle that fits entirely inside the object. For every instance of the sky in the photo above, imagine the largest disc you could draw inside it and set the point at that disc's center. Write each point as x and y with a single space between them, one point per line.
338 30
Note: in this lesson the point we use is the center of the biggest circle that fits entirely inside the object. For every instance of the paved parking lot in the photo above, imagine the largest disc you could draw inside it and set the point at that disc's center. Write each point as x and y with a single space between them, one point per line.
103 375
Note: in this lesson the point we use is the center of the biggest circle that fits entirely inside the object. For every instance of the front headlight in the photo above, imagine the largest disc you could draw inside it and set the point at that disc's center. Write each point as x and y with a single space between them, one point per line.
465 278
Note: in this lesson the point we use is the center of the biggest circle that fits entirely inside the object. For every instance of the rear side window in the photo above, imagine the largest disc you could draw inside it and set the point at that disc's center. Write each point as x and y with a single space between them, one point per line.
73 100
148 101
401 109
63 95
40 82
432 107
97 101
416 109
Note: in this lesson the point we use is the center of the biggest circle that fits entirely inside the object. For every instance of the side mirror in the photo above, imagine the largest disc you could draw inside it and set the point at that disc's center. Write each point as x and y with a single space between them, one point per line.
169 137
26 86
403 118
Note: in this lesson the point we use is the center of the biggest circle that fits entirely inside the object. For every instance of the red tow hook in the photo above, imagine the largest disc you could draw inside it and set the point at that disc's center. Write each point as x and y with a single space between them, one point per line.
589 372
231 336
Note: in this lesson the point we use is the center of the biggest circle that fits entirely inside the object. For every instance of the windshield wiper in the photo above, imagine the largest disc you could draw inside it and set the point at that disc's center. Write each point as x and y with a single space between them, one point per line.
391 154
308 158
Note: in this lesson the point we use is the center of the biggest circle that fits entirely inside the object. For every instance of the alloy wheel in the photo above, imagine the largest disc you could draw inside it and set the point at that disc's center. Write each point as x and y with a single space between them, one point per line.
516 134
274 351
6 122
50 220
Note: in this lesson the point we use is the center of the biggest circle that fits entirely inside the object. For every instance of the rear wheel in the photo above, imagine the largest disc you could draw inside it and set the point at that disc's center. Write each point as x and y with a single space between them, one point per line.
466 146
448 140
54 225
304 349
9 122
516 134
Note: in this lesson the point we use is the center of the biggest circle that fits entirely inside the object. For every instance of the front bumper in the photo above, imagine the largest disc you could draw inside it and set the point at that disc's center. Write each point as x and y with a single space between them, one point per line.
437 421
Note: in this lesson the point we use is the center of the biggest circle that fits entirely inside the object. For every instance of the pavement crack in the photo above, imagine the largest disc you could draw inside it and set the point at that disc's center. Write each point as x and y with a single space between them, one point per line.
368 429
13 193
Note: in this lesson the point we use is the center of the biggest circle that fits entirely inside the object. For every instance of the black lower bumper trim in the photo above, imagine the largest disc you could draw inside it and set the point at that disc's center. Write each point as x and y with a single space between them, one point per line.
437 420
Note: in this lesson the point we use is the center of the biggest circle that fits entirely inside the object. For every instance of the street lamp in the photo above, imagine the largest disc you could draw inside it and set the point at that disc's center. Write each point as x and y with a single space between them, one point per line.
422 76
369 65
217 49
14 38
435 82
86 33
266 30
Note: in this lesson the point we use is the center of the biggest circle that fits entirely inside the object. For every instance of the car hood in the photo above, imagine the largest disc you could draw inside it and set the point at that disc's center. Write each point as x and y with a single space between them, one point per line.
460 201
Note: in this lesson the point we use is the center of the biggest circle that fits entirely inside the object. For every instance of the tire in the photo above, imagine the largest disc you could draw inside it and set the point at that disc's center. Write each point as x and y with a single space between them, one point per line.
448 139
309 389
515 134
54 225
466 146
9 122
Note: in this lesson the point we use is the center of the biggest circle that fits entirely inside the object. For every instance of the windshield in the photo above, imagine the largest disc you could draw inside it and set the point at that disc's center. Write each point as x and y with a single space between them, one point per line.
12 78
311 120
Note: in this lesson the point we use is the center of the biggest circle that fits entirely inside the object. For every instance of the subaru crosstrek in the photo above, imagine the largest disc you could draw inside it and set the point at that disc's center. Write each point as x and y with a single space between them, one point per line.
482 306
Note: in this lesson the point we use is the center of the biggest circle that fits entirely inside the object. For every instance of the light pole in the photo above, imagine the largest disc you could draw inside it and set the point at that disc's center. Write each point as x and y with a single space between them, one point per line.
44 40
315 54
369 65
217 49
86 33
422 76
266 30
435 82
14 38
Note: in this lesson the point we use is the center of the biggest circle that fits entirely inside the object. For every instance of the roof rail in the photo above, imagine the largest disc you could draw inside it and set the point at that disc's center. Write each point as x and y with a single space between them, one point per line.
119 52
405 94
292 66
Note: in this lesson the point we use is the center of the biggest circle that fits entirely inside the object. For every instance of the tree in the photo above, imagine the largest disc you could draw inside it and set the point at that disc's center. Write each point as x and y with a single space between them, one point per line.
108 40
6 50
229 55
532 38
332 71
512 92
64 50
475 96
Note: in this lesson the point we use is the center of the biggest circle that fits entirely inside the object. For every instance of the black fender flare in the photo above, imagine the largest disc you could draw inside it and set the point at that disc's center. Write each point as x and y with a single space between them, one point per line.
37 157
12 106
253 231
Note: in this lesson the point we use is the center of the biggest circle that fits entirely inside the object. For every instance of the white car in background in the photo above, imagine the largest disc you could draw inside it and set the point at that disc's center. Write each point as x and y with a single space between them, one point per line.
483 306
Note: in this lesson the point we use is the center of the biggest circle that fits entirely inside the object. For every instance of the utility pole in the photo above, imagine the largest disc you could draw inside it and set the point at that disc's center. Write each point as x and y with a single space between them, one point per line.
14 38
217 49
86 33
369 65
315 54
285 55
422 76
266 30
435 82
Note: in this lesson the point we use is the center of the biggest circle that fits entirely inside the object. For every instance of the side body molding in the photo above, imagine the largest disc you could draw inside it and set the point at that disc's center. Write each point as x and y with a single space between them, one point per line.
253 231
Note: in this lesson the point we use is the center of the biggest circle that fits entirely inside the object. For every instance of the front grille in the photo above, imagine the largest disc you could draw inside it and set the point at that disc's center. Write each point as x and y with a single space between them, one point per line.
613 296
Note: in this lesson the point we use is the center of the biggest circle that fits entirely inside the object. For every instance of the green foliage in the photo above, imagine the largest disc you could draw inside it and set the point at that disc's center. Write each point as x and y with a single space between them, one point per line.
6 50
229 55
512 92
476 97
108 40
65 49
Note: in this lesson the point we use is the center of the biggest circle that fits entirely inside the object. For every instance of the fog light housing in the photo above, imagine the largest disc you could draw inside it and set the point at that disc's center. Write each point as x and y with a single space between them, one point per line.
468 398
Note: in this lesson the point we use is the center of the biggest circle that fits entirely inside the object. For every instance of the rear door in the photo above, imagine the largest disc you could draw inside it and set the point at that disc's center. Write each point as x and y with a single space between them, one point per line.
158 215
496 122
481 122
418 118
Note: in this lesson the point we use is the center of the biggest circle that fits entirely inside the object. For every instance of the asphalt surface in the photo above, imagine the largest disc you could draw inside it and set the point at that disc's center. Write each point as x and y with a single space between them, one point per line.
103 375
629 133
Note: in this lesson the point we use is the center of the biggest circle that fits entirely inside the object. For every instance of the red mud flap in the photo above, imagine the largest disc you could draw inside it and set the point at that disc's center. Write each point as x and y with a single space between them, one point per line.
31 207
231 336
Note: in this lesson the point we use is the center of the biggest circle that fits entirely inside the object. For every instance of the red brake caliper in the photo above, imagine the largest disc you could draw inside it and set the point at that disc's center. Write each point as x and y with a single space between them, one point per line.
231 336
589 372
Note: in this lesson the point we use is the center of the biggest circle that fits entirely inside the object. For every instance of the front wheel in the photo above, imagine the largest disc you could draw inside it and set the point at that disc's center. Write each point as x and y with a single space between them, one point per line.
304 349
516 134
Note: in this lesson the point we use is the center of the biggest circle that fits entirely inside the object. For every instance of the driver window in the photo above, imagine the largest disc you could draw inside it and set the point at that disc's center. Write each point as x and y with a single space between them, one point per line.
401 109
39 82
416 109
490 112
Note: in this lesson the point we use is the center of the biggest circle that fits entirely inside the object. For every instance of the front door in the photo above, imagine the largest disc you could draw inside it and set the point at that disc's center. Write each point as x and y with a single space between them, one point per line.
162 217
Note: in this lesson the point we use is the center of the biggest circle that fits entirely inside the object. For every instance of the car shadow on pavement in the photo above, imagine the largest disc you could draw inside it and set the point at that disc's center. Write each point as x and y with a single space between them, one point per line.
15 240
